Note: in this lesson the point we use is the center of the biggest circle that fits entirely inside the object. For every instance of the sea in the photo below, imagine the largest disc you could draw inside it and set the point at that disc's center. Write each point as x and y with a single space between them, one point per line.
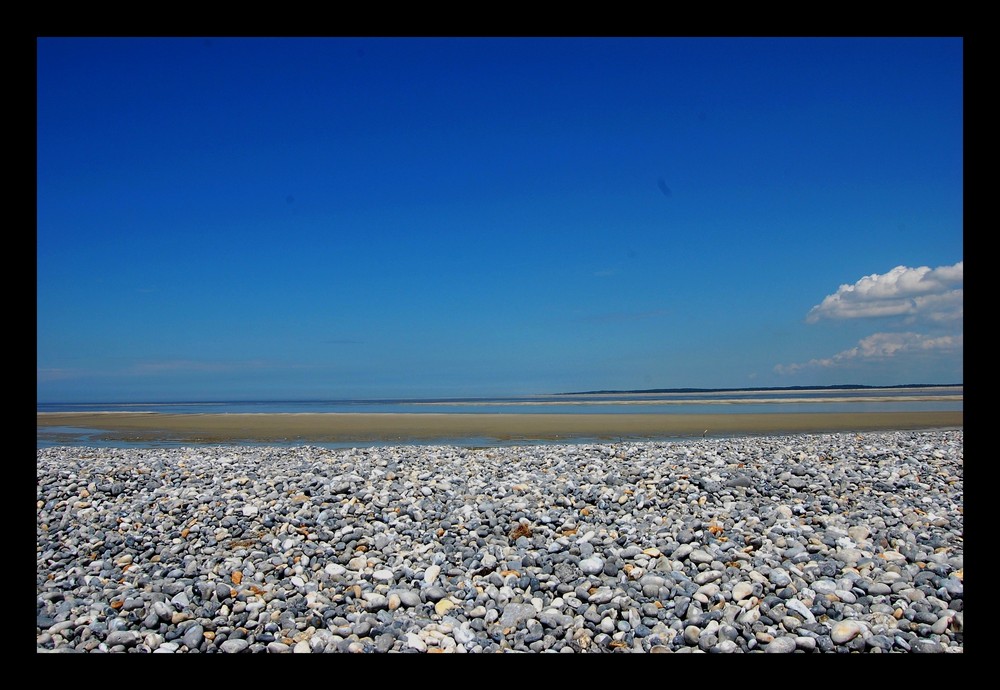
731 401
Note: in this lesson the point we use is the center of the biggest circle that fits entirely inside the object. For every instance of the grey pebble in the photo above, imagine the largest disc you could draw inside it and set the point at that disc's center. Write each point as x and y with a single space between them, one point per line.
193 636
234 646
122 637
809 644
514 614
923 646
408 597
700 556
817 542
781 645
434 593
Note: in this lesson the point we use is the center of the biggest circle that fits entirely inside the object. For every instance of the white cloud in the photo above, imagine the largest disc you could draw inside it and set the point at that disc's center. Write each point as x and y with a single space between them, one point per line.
919 293
916 298
882 346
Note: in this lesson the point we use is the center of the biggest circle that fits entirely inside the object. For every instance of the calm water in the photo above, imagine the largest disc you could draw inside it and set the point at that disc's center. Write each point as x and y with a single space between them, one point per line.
890 400
715 402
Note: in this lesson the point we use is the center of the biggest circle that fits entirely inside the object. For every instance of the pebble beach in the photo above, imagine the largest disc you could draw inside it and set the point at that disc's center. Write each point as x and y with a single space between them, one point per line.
806 543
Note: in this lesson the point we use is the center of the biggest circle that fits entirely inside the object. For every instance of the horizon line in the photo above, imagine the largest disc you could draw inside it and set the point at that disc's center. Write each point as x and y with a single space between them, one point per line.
525 395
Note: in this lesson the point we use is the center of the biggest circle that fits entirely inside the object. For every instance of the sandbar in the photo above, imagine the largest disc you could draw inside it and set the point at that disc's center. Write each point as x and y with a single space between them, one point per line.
430 427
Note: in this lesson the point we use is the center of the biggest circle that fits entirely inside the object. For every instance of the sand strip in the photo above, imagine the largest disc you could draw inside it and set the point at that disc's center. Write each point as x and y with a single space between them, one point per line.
392 427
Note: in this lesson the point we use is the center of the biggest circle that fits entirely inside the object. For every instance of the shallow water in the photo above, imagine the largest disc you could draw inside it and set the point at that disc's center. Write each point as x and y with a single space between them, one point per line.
722 402
714 402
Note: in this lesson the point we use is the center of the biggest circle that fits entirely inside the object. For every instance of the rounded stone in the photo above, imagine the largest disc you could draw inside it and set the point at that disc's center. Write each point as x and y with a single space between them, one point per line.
843 632
781 645
234 646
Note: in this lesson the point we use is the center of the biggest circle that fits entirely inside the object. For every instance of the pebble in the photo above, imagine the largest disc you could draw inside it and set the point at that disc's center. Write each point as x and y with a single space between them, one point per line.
845 631
414 641
741 591
781 645
814 543
234 646
193 636
443 606
805 643
122 637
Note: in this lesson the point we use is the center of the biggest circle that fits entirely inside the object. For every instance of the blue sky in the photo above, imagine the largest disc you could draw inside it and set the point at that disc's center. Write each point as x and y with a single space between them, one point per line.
335 218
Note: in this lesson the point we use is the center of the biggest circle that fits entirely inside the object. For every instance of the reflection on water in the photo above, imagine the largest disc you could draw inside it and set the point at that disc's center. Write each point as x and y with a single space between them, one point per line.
726 402
855 401
45 440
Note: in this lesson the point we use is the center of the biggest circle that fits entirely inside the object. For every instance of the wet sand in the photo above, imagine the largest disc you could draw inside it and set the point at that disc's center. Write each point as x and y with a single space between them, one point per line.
404 428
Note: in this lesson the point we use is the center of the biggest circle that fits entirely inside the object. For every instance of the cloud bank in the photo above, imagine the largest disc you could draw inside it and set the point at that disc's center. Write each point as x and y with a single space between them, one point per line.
932 294
882 346
923 297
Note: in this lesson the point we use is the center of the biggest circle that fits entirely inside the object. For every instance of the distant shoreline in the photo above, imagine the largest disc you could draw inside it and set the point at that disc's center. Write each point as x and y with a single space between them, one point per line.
935 391
423 427
770 389
714 401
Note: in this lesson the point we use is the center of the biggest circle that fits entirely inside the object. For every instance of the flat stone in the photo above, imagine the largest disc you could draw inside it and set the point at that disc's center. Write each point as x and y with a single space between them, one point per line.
234 646
700 556
127 638
843 632
741 591
515 614
781 645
